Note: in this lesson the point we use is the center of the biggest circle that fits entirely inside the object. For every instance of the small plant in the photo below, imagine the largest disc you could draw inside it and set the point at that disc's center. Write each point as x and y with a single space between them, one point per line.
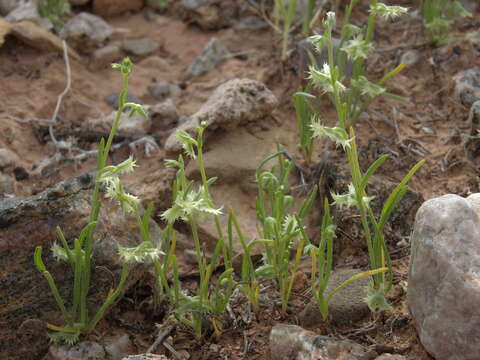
322 263
53 10
307 21
304 114
346 98
160 4
190 204
77 318
280 225
439 16
284 14
250 281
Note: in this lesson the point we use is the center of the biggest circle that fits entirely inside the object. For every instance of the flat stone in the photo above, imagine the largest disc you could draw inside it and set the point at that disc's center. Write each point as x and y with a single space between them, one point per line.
108 8
234 103
291 342
164 115
84 350
146 357
140 47
156 63
346 307
209 14
130 127
87 26
104 57
444 276
112 99
118 346
391 357
162 90
39 38
212 54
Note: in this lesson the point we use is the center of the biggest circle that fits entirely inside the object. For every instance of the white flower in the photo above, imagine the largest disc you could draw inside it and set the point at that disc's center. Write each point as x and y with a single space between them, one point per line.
187 141
115 191
323 79
143 253
330 20
366 87
186 205
357 48
59 252
388 12
350 199
336 134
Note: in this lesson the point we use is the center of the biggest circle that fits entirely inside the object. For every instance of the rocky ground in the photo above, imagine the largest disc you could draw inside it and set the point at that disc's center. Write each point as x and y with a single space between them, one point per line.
219 61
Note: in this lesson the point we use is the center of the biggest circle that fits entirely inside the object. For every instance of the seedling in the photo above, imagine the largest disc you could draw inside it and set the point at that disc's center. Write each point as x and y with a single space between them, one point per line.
304 113
190 204
346 98
77 318
284 14
439 16
280 224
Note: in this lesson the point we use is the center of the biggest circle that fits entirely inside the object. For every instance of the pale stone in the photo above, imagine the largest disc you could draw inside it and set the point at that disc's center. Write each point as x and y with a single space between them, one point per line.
235 103
444 277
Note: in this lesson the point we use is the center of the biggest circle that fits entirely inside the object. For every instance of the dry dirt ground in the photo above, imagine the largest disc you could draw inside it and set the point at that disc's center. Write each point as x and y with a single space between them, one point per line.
427 125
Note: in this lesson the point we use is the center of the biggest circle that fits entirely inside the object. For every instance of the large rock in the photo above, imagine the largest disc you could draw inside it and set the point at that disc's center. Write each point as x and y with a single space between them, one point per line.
235 103
26 224
291 342
444 277
107 8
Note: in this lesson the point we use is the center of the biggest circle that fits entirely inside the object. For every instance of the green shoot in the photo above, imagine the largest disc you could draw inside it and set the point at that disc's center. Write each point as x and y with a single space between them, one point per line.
77 318
190 204
304 115
346 98
284 14
280 224
439 16
53 10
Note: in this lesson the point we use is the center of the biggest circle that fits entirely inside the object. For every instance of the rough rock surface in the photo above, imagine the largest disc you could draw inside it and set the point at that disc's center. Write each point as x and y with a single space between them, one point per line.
444 277
146 357
212 54
130 127
7 186
209 14
87 30
347 306
39 38
140 47
6 6
107 8
104 57
467 86
235 103
26 224
291 342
